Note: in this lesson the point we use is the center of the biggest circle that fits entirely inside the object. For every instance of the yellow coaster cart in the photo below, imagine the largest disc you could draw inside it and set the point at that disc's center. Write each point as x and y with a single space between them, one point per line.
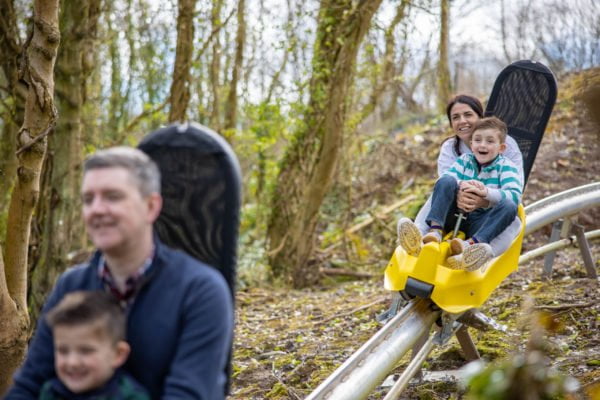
454 291
523 97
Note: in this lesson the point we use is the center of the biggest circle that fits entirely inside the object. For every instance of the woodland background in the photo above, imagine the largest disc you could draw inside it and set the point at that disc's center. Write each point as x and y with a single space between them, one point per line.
309 94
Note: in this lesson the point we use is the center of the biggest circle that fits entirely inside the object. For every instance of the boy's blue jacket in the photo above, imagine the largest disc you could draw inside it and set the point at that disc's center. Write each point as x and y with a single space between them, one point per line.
179 327
120 387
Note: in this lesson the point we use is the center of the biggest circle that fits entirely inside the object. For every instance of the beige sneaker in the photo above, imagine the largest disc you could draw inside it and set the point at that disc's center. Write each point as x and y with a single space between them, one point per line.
409 237
476 256
455 262
457 246
434 235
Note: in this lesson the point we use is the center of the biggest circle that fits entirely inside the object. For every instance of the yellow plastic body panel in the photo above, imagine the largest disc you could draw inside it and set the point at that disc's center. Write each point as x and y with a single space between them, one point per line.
454 291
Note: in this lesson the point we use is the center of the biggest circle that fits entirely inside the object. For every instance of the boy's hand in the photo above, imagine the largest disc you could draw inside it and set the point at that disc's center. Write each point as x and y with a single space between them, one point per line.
472 184
471 195
477 190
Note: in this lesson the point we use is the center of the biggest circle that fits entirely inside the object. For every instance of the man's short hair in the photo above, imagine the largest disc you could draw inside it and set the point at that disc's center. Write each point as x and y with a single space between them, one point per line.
90 308
141 167
492 123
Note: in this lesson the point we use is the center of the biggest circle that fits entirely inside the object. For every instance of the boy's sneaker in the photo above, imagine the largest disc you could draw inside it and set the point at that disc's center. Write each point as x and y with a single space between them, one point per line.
455 262
434 235
409 237
457 246
476 256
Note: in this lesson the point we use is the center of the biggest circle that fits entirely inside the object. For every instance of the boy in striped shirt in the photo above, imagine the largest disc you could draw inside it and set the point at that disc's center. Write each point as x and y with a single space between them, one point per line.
485 173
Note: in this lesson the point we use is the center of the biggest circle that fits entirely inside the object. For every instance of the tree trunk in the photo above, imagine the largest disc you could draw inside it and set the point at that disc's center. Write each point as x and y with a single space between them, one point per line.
11 49
13 333
180 87
215 67
8 166
116 81
386 80
444 83
232 98
307 169
40 116
503 32
57 217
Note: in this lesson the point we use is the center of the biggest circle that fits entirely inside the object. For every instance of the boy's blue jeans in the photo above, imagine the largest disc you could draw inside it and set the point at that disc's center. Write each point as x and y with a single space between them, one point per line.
484 224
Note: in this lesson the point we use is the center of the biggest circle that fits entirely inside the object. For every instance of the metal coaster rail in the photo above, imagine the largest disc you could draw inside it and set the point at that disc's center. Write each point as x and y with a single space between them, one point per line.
356 378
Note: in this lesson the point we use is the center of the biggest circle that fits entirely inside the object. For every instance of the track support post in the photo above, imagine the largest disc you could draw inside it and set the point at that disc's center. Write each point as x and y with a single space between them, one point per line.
549 258
586 253
466 343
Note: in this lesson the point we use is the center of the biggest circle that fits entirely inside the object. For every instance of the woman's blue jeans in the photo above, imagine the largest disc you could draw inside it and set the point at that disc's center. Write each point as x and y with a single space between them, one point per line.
484 224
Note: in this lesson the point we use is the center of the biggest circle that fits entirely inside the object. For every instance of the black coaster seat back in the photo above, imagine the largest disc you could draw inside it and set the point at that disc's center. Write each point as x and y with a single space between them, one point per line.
201 184
201 189
523 97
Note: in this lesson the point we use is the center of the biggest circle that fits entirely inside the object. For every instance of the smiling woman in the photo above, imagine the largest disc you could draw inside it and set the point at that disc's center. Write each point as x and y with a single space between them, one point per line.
463 111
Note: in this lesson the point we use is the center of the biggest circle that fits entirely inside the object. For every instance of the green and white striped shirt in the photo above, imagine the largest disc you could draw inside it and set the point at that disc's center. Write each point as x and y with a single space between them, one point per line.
501 176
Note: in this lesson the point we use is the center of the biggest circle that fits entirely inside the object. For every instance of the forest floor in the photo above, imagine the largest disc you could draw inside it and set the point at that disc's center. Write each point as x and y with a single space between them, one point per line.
288 341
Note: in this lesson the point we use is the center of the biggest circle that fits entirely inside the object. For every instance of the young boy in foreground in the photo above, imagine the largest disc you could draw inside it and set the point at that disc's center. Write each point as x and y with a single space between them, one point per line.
485 173
89 347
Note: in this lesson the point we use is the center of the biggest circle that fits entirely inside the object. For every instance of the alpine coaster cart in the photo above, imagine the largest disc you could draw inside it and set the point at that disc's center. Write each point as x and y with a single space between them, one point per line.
434 294
523 97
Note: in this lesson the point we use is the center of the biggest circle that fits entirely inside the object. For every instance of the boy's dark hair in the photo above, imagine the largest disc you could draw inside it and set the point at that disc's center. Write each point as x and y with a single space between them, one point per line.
89 307
492 123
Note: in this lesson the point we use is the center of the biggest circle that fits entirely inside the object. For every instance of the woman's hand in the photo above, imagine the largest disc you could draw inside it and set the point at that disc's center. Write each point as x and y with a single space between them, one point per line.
471 196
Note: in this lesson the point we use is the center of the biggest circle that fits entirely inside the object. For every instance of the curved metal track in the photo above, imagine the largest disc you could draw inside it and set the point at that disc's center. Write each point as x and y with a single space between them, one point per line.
367 367
356 378
561 205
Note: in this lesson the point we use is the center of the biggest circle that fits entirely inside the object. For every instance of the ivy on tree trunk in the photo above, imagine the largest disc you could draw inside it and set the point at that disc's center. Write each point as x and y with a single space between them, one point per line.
309 164
39 119
58 230
12 52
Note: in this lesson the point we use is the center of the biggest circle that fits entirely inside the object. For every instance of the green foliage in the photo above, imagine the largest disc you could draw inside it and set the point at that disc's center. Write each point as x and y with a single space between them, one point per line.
527 375
259 147
252 267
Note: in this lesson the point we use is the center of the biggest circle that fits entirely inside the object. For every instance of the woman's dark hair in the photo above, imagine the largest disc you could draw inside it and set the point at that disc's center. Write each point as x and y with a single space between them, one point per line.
472 102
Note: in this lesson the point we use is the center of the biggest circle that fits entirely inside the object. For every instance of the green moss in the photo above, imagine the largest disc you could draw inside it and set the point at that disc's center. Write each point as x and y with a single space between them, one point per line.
508 313
287 362
326 368
435 391
244 353
493 344
277 391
